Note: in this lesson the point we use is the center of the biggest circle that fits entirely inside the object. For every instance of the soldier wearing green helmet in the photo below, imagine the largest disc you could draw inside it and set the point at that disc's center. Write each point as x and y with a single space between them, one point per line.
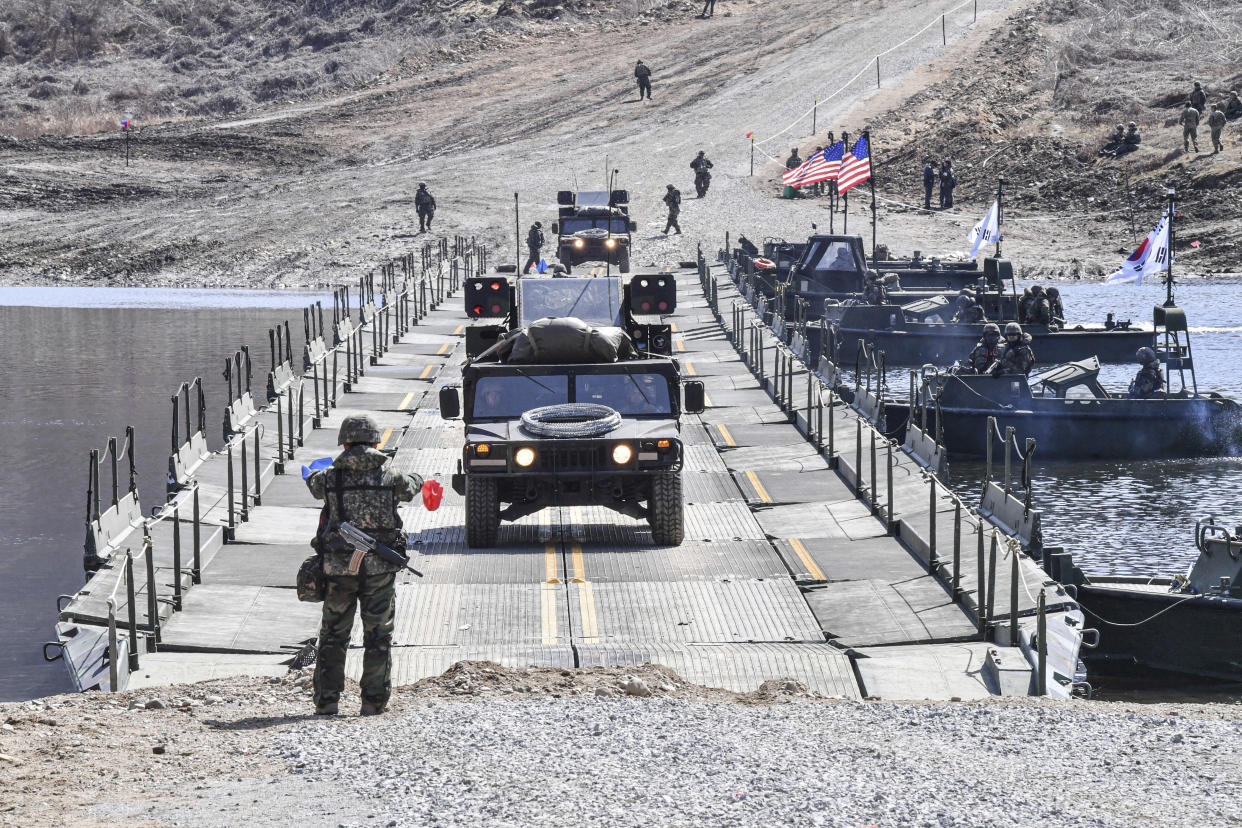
359 488
987 350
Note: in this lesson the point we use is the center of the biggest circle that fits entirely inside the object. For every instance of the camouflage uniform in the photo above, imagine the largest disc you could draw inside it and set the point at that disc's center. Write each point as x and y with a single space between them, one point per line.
425 206
1190 127
1016 358
970 312
1147 382
873 292
984 354
1040 312
672 198
1216 123
359 489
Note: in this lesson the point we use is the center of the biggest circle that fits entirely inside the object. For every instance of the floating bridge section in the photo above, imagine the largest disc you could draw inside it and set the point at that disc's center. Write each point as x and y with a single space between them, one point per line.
815 549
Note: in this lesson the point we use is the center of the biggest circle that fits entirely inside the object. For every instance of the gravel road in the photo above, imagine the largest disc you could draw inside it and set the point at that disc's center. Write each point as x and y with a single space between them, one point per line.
486 745
624 761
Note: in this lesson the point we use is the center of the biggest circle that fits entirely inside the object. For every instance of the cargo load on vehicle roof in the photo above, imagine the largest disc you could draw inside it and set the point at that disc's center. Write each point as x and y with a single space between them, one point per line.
562 340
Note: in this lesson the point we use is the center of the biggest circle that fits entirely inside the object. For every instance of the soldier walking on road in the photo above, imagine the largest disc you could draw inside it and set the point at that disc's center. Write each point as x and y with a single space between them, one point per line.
358 488
673 199
929 182
534 244
1190 127
1216 122
709 8
642 73
425 205
702 173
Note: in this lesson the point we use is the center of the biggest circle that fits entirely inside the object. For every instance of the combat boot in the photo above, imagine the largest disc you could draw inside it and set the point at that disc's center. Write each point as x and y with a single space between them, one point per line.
372 708
327 709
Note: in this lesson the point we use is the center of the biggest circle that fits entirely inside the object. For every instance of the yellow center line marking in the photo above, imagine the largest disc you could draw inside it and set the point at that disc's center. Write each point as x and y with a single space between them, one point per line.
547 611
459 329
807 561
426 373
590 624
759 490
707 401
443 348
406 402
579 564
672 326
384 439
681 346
549 564
724 432
690 369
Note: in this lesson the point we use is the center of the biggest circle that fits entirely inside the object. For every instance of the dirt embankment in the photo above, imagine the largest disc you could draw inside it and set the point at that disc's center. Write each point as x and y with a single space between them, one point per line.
72 68
1036 104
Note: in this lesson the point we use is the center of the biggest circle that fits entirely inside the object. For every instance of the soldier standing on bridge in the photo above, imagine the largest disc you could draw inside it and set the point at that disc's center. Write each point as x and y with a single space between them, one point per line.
358 488
673 199
534 244
425 205
642 73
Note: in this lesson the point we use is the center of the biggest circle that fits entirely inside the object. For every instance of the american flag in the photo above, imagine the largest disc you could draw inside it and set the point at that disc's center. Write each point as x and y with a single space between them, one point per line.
821 166
856 168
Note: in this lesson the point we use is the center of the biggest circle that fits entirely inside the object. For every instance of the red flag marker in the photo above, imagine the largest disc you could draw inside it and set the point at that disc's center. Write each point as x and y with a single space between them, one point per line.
433 493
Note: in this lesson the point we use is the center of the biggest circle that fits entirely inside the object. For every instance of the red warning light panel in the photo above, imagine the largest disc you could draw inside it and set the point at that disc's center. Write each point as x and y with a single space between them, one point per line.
653 294
488 297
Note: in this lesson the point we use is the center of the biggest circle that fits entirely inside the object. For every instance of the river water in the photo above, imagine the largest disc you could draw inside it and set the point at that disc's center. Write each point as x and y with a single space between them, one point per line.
80 364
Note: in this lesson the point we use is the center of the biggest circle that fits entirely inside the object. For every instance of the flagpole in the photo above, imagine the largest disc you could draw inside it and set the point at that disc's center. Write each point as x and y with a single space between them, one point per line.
752 156
1168 302
871 161
1000 213
517 232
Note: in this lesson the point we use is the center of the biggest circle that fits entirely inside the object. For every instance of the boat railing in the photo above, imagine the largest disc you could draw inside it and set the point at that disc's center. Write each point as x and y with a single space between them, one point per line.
1012 451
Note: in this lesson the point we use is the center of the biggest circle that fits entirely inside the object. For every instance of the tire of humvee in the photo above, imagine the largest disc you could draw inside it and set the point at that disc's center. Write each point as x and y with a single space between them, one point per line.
665 511
623 261
482 512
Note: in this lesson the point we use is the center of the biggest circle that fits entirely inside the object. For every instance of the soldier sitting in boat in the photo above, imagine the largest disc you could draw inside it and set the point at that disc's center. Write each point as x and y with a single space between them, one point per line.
968 310
873 291
1040 312
987 350
1056 306
1149 381
1017 356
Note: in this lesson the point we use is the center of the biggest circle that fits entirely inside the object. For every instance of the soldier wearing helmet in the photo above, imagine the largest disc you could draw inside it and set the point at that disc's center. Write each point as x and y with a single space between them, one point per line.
968 310
873 290
425 206
1149 381
358 487
702 173
1016 355
1040 312
1056 306
534 244
987 351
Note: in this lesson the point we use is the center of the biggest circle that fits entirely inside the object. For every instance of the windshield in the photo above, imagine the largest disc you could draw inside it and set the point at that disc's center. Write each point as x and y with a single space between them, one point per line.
570 226
511 396
594 301
637 393
641 392
834 255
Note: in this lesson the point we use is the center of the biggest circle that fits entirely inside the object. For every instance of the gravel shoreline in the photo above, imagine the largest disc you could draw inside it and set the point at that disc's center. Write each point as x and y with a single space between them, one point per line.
482 745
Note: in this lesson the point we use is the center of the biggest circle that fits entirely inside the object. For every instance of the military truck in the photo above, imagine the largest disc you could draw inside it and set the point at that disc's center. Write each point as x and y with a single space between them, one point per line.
594 226
564 427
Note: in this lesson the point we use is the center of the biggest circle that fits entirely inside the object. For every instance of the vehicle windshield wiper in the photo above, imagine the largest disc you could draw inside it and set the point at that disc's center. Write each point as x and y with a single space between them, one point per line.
532 379
639 387
574 306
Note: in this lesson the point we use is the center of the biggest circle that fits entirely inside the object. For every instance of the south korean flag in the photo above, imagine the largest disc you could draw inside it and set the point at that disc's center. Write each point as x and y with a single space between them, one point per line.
986 232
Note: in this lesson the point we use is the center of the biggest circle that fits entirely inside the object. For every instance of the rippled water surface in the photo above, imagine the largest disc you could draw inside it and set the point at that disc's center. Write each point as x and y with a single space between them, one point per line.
74 373
1138 517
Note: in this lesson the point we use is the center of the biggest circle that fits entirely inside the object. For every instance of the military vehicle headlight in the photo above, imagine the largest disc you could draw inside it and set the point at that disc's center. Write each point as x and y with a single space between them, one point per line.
524 457
579 243
622 454
610 243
